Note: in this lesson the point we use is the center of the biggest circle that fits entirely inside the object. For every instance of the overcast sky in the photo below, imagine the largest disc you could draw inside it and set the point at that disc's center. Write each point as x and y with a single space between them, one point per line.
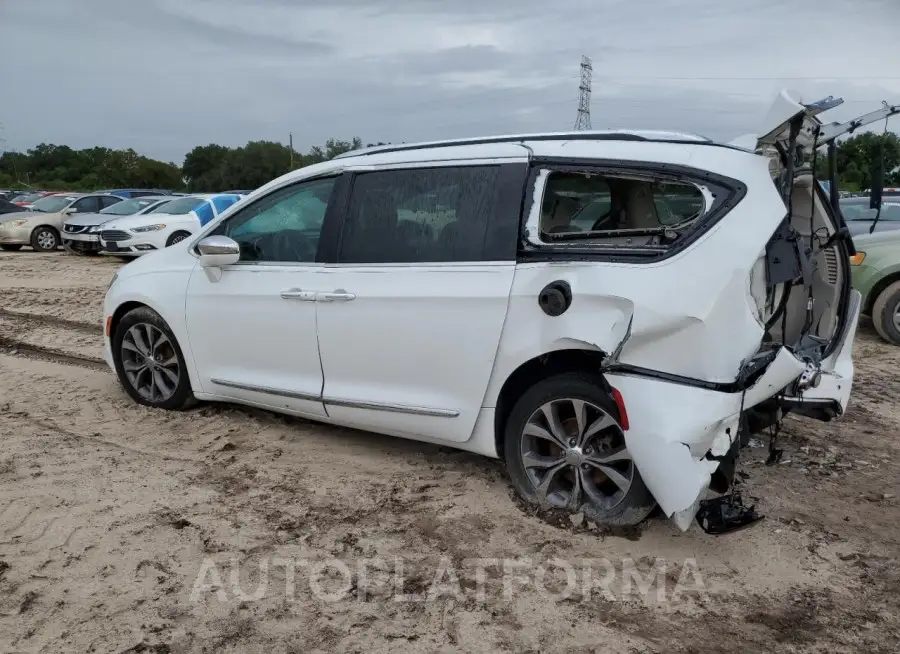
162 76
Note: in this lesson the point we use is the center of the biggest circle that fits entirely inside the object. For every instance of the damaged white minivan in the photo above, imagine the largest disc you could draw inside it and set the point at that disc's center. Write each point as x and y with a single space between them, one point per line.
610 313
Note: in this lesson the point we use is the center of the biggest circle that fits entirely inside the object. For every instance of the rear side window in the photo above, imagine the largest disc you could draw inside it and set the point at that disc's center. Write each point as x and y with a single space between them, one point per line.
622 211
419 215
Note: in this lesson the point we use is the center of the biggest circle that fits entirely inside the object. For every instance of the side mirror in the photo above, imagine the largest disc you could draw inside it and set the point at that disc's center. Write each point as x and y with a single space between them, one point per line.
70 211
218 251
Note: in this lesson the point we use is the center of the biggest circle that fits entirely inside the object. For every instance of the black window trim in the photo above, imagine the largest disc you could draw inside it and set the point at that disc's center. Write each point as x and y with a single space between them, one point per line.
734 192
338 175
500 237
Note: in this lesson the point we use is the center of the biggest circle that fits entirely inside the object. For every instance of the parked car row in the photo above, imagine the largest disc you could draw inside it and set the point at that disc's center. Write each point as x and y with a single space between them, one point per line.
109 222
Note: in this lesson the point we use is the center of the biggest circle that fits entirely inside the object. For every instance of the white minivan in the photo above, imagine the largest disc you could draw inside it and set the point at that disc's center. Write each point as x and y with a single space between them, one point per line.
604 311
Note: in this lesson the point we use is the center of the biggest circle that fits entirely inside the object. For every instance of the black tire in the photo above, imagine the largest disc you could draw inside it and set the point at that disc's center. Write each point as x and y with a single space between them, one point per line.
632 507
177 237
45 239
182 396
886 306
10 248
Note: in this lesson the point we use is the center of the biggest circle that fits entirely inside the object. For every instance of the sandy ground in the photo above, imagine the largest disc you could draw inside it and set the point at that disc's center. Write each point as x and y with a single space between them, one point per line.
117 523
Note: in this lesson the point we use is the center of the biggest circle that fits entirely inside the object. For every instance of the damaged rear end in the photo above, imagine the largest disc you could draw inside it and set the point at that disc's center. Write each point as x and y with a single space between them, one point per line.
685 432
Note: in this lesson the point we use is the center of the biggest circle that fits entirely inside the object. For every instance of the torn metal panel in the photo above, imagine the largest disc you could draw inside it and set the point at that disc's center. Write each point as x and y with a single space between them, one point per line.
673 427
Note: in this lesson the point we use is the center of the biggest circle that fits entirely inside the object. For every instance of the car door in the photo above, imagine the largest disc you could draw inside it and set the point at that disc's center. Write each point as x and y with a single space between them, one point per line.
412 307
253 330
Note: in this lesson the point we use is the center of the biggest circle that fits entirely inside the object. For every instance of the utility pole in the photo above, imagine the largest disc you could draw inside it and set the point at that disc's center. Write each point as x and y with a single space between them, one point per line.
583 120
291 146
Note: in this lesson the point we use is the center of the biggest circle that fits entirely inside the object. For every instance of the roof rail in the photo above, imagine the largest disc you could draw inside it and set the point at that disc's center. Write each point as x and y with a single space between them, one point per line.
622 135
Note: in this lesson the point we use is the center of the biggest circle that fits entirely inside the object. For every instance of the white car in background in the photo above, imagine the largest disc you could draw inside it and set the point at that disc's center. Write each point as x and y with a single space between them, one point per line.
81 232
164 226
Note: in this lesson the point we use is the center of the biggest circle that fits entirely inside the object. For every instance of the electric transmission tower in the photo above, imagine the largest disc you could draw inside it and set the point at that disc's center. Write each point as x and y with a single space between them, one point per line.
583 120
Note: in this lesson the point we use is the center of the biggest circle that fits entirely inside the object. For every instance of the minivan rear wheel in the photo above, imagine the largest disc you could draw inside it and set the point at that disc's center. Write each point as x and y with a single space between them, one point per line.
565 449
149 362
886 314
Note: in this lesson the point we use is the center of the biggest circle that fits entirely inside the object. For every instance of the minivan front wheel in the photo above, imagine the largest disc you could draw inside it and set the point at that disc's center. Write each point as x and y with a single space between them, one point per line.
565 449
149 362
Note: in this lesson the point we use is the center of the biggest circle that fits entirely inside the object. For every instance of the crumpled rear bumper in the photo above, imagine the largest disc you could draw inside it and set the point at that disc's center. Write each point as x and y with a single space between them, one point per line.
674 426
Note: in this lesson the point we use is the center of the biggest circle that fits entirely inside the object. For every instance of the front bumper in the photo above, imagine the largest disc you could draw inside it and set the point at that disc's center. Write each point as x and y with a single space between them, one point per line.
675 429
10 235
130 248
82 242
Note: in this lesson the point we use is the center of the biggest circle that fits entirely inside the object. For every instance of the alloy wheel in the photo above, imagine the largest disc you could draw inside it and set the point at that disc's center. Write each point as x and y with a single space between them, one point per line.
150 362
573 452
46 239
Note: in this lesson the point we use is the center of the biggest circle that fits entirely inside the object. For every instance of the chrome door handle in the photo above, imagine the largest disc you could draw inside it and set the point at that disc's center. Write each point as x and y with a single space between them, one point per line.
340 295
298 294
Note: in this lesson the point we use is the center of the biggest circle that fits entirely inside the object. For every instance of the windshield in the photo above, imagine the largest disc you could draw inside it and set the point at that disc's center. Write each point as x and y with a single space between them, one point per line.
128 207
180 206
858 209
52 203
29 197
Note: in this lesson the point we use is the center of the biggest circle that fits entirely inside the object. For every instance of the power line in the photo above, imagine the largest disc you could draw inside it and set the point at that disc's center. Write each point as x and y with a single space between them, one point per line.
583 119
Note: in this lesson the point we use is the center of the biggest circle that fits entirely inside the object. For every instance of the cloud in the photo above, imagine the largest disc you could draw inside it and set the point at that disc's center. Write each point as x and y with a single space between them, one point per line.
164 75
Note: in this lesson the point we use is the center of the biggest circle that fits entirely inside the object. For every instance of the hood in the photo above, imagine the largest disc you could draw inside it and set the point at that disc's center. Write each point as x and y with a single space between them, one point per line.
18 215
138 220
90 219
864 240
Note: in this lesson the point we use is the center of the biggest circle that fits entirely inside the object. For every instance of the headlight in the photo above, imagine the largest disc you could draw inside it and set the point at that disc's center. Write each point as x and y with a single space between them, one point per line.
95 229
148 228
857 258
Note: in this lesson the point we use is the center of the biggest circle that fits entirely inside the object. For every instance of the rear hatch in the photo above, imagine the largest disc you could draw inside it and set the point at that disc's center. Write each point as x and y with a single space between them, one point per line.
802 281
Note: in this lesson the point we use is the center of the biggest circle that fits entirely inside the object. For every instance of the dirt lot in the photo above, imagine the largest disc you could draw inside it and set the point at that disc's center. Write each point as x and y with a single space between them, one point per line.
110 512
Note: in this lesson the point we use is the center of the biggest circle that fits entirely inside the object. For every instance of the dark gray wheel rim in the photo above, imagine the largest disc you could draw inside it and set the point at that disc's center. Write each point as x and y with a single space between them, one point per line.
574 453
178 238
150 362
46 239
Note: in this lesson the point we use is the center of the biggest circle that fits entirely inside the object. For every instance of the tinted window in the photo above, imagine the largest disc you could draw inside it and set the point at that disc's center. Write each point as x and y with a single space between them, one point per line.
87 205
282 226
420 215
109 201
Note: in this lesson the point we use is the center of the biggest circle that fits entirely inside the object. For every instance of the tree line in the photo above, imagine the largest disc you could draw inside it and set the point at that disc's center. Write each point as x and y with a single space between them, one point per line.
216 167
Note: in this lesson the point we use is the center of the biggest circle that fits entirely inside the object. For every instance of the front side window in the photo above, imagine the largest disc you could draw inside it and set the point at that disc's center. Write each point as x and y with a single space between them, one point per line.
89 204
109 201
419 215
283 226
619 210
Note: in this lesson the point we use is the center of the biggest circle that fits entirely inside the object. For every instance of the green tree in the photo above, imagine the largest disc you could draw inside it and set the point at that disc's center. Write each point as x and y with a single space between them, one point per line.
855 156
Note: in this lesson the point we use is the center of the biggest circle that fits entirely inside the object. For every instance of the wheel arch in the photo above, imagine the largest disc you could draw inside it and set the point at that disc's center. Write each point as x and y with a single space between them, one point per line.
533 370
136 301
876 290
48 226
